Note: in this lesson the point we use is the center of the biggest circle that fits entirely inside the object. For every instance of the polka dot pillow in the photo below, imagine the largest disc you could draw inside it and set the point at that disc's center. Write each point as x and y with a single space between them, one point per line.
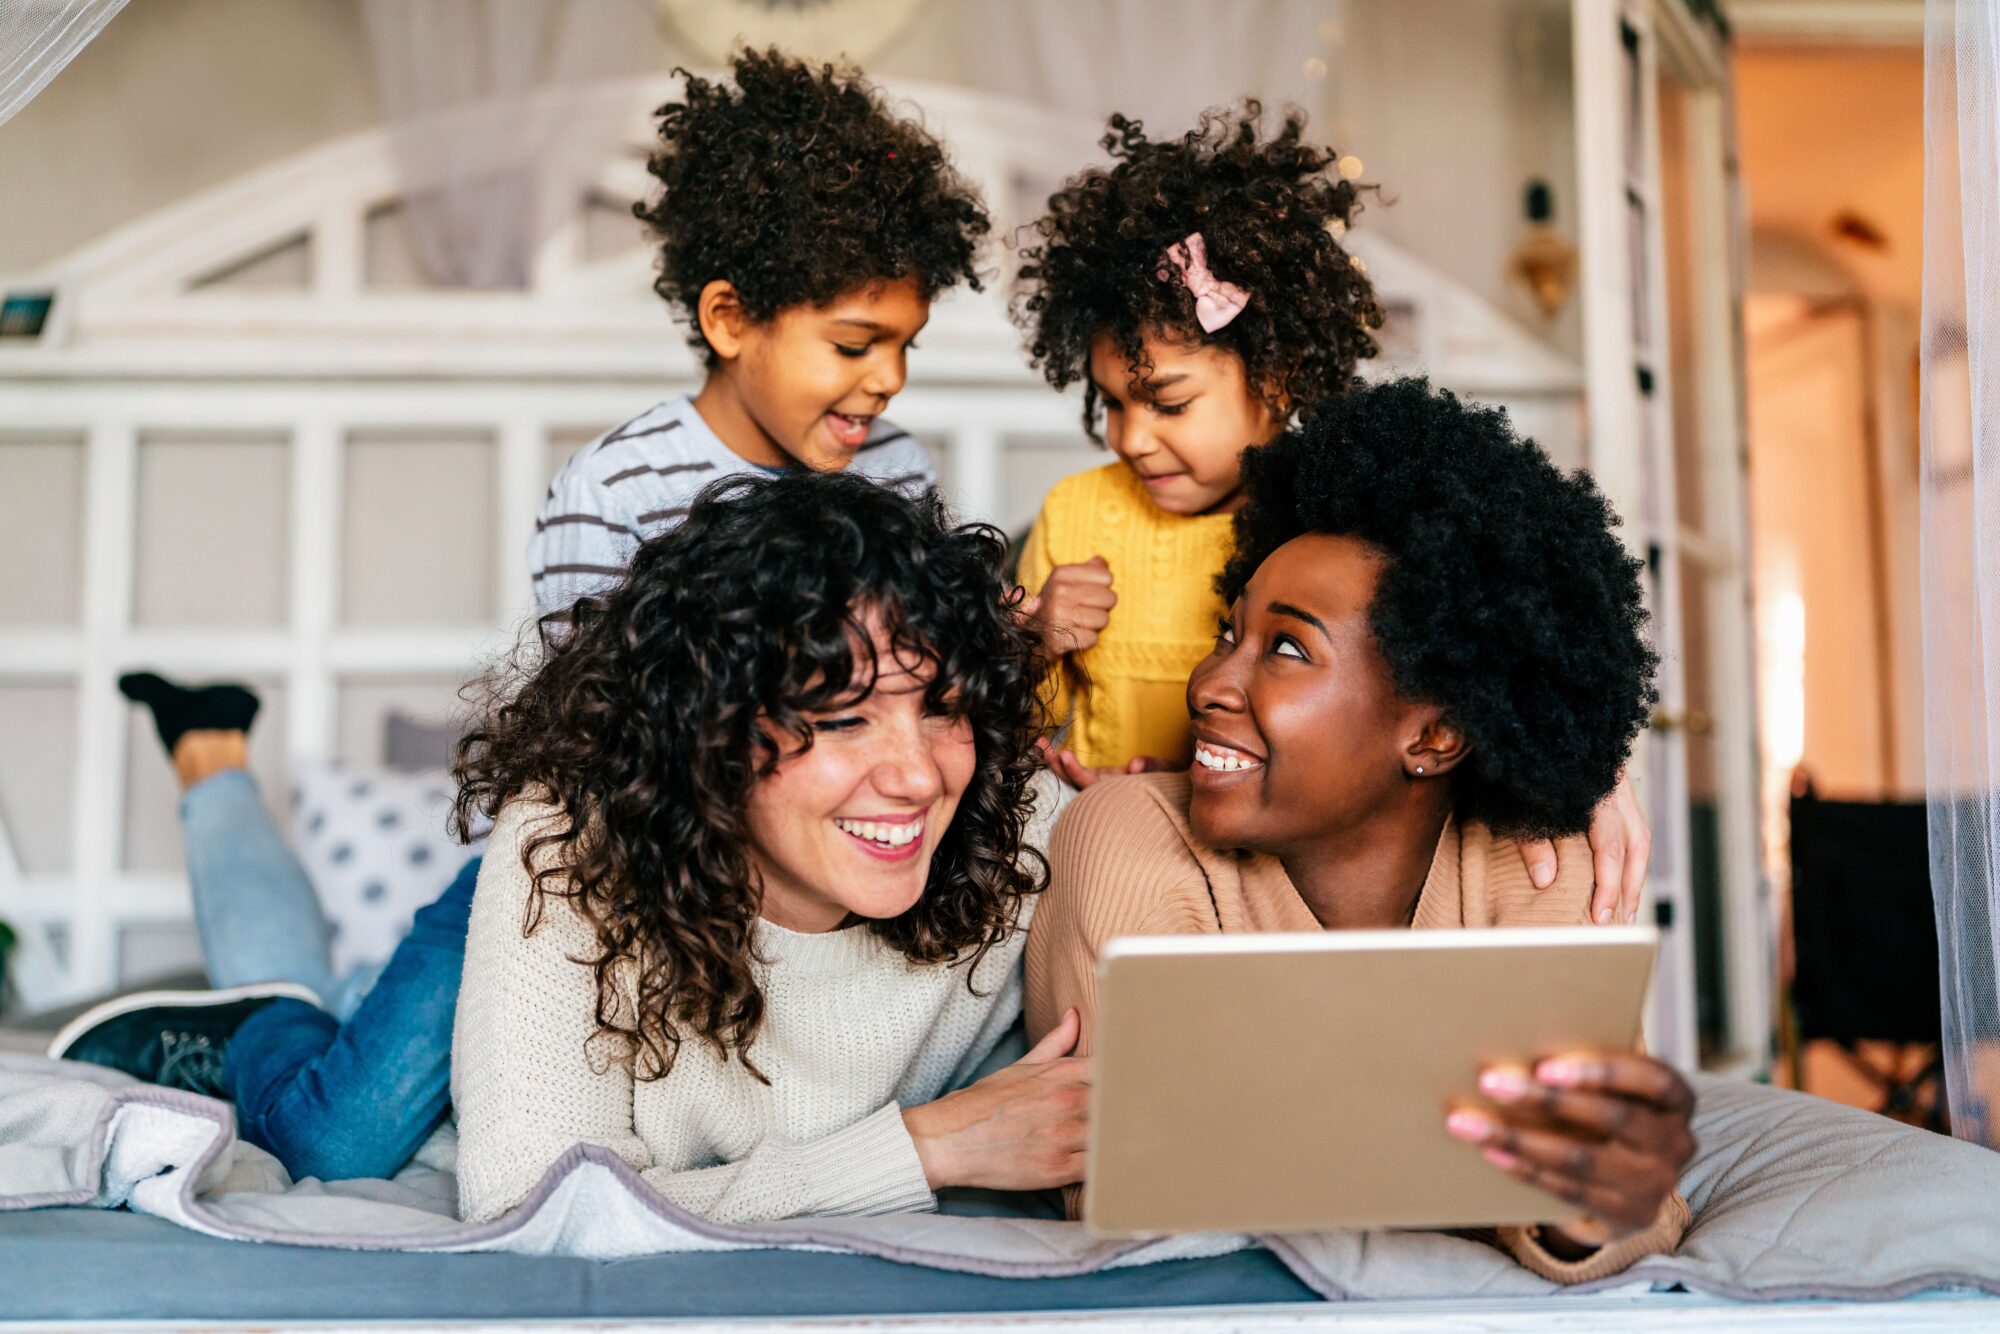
376 847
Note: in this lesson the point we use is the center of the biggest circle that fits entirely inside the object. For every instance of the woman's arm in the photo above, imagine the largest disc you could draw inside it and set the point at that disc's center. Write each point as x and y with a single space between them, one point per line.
523 1082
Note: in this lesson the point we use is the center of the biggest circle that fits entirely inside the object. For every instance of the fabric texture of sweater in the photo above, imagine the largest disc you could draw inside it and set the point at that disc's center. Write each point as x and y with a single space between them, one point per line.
1126 863
853 1033
1163 568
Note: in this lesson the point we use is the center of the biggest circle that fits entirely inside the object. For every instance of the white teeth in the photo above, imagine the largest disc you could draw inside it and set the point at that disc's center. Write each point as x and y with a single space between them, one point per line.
898 835
1216 758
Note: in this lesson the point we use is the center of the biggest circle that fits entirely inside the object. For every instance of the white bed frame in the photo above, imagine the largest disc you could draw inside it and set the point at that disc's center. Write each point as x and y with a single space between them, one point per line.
1947 1313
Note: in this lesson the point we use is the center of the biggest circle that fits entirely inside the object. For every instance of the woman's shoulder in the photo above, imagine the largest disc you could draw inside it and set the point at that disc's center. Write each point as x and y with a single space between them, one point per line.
1130 812
1123 856
1511 899
522 818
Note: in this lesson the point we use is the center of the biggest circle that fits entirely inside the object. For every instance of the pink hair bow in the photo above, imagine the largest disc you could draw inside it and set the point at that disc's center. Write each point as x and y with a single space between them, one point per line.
1216 302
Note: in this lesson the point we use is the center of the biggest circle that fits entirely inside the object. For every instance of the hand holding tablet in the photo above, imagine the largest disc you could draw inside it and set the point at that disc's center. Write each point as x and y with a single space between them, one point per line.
1331 1063
1604 1130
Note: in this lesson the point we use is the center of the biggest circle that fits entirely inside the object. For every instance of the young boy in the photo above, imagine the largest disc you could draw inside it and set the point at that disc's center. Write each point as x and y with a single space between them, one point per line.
804 232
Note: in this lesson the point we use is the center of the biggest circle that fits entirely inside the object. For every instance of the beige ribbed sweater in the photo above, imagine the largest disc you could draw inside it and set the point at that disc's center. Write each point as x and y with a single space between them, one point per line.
1125 863
853 1032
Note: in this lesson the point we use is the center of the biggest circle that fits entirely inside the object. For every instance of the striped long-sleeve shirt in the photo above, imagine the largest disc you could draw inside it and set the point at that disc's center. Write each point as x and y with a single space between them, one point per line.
638 479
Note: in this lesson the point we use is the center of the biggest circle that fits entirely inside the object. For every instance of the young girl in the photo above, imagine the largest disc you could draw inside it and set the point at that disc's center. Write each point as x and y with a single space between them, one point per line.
804 230
1198 289
757 887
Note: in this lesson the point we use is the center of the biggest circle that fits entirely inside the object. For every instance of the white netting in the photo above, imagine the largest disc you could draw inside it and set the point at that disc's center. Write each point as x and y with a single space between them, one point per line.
1961 538
39 37
495 132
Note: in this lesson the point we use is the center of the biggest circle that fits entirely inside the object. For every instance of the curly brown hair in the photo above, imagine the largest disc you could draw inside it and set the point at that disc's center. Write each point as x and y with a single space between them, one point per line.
1265 208
798 185
647 715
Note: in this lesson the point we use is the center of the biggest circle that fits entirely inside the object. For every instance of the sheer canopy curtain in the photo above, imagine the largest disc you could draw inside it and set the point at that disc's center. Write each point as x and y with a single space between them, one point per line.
1961 538
39 37
495 130
1163 61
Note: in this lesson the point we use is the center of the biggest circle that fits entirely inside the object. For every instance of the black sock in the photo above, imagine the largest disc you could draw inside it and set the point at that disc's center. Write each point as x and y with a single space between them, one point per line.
178 710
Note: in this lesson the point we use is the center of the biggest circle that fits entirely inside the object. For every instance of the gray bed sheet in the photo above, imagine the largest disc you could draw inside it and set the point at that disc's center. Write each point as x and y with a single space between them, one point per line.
95 1264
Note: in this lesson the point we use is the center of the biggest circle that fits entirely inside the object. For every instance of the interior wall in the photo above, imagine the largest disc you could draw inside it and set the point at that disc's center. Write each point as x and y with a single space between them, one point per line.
1454 105
1831 145
171 98
1812 508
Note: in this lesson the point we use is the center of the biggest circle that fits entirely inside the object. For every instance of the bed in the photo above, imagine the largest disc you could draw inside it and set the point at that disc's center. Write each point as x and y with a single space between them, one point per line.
119 1201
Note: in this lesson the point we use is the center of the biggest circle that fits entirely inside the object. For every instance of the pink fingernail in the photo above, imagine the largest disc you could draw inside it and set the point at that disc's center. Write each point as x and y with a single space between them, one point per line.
1505 1085
1559 1072
1468 1126
1603 916
1500 1158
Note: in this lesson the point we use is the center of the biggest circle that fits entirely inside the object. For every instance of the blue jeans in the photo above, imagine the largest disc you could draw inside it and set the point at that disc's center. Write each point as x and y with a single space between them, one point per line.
338 1100
345 1091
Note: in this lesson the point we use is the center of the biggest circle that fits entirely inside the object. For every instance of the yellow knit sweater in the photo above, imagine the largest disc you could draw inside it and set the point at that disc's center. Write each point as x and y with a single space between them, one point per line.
1163 568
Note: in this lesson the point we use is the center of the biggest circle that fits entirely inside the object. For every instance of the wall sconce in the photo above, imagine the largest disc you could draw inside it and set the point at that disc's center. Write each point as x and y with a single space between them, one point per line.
1543 259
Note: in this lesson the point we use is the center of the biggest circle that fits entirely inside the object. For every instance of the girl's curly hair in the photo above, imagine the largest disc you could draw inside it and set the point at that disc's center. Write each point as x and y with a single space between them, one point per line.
647 715
1507 599
797 185
1265 208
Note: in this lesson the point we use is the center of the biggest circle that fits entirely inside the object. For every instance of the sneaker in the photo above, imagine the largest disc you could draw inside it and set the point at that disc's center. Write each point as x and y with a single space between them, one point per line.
176 1039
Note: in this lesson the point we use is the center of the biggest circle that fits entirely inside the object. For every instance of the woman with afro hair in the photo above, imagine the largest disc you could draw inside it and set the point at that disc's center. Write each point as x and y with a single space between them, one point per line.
1434 643
1197 287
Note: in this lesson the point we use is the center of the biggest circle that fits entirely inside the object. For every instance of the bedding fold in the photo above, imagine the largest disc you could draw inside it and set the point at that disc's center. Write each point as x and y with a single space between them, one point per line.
1791 1197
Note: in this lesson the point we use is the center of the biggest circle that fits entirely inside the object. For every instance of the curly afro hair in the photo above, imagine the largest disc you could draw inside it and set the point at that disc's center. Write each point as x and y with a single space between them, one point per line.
1507 599
1266 209
648 720
797 185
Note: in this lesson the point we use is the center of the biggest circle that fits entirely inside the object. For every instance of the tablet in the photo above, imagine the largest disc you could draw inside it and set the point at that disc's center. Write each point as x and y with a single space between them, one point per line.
1298 1082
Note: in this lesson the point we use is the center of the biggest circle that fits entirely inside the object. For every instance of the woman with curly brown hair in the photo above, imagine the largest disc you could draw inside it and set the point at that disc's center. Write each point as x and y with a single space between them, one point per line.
758 884
1198 288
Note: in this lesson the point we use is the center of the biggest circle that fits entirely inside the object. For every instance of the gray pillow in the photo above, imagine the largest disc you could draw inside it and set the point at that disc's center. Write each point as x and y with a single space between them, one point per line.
1794 1196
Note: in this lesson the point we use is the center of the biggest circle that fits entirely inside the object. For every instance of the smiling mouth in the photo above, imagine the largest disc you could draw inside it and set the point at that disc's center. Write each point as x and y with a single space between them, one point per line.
891 840
848 431
1223 759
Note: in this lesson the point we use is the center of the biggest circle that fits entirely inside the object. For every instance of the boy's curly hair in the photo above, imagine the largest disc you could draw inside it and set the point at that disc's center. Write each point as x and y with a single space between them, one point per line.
1507 598
1264 207
648 714
796 185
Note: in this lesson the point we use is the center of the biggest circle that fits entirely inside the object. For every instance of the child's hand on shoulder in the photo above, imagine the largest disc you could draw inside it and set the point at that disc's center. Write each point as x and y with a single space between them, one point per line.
1074 605
1080 775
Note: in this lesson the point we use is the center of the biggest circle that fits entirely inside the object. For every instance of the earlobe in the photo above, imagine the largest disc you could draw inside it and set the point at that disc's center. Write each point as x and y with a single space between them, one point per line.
1437 749
719 311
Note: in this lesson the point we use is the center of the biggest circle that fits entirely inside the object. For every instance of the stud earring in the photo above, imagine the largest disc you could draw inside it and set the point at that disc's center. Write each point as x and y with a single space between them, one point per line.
1420 769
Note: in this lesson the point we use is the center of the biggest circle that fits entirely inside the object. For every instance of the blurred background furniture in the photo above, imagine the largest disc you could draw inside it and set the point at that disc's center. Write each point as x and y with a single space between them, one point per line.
1864 933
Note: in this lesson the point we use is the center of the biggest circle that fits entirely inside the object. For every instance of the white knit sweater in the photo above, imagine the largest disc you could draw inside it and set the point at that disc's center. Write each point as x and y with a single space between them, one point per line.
853 1032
